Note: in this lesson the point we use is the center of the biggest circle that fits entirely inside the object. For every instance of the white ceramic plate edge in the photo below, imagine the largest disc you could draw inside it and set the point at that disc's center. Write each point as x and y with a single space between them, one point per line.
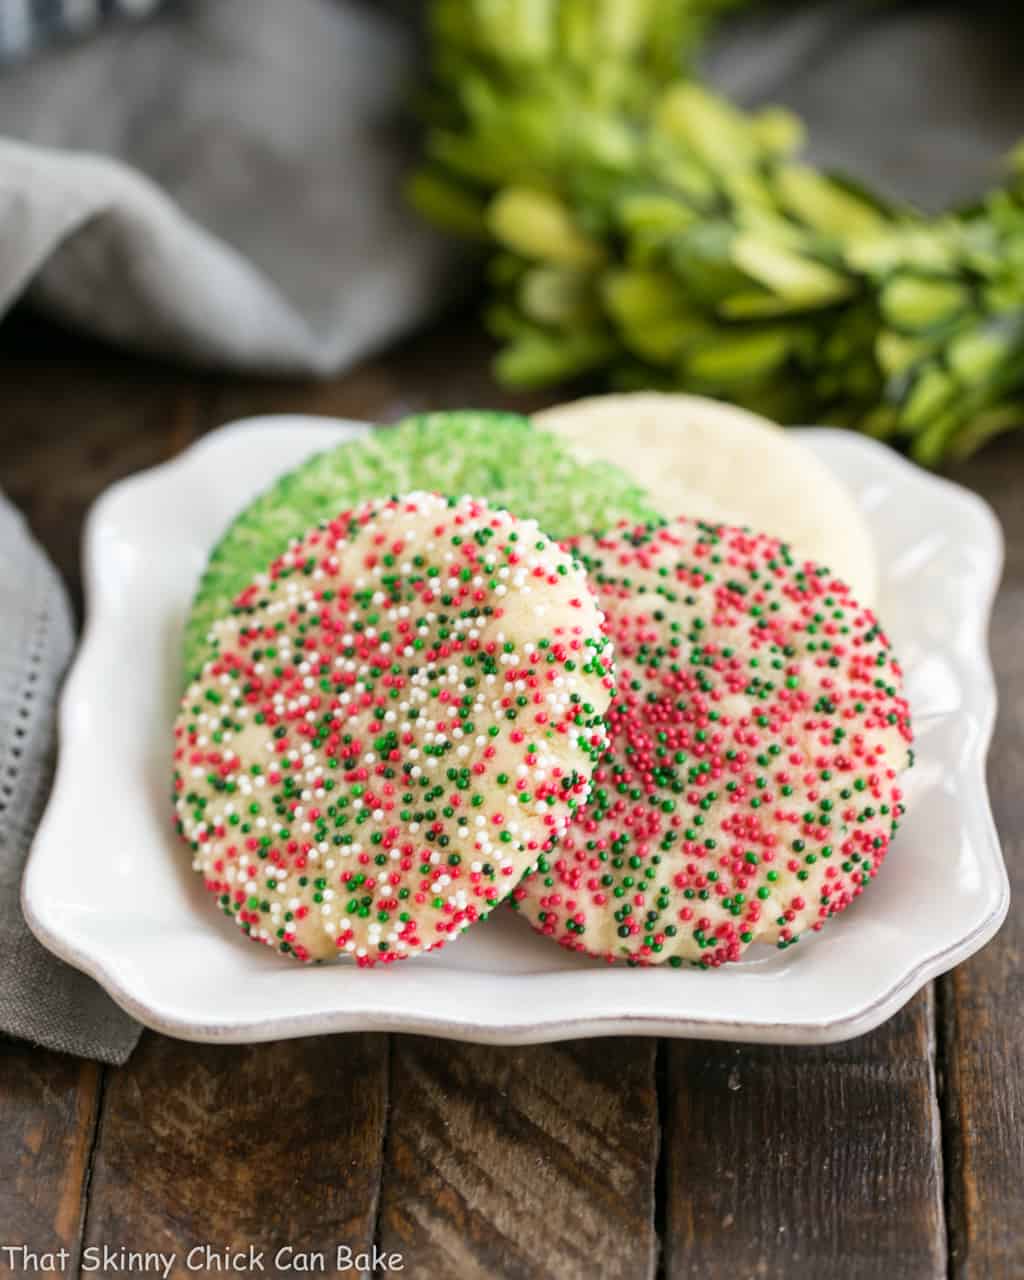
35 902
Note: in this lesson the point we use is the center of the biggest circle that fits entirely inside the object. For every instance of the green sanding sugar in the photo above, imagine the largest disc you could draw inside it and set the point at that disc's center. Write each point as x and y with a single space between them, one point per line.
497 456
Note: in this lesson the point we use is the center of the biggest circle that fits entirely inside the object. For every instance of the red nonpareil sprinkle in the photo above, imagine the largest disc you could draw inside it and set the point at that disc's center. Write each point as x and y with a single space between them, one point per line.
397 717
742 795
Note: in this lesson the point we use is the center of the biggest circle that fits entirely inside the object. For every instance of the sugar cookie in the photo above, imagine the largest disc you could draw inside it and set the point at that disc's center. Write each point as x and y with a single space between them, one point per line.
499 456
712 461
397 719
757 733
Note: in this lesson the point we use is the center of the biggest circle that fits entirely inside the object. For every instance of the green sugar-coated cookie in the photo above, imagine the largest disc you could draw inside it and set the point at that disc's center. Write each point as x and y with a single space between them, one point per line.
497 456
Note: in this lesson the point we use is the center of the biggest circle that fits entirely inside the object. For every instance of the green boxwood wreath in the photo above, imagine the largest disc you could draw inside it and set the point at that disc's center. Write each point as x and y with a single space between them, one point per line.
648 232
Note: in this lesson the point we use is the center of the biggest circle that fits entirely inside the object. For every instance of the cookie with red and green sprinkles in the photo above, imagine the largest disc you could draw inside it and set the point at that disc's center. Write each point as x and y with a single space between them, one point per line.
500 456
397 719
757 734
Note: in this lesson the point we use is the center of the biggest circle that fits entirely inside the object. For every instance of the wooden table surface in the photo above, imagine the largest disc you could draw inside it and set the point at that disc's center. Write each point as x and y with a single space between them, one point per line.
900 1153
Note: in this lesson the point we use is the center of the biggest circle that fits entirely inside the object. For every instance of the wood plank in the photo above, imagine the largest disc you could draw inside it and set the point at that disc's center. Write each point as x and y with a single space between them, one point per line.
112 416
48 1108
76 417
78 420
982 1002
448 368
522 1162
783 1161
269 1146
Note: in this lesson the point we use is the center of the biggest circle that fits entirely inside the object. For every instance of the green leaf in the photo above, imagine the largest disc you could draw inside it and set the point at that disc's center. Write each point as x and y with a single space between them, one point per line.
792 277
513 30
907 245
740 357
538 359
702 258
652 313
975 356
985 426
558 296
447 204
778 130
757 305
539 225
931 391
639 297
708 126
881 423
896 353
929 445
653 212
915 303
823 204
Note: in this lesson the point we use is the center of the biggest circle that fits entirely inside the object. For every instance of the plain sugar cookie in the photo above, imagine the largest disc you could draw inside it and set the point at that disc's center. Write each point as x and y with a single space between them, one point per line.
398 718
751 783
713 461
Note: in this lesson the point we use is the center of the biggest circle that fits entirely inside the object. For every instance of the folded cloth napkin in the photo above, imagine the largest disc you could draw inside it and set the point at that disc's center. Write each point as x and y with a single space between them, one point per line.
221 183
27 24
41 999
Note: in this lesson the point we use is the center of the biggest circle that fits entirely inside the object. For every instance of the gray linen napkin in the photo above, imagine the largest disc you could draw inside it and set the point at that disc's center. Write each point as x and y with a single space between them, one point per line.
41 999
27 24
221 183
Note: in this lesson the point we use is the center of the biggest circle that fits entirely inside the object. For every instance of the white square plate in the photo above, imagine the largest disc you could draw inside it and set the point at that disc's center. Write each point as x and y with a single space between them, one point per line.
109 888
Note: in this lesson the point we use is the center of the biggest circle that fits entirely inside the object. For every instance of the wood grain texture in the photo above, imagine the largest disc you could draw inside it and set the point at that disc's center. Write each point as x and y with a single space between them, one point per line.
48 1108
500 1162
268 1146
445 369
76 417
264 1145
794 1162
982 1002
524 1164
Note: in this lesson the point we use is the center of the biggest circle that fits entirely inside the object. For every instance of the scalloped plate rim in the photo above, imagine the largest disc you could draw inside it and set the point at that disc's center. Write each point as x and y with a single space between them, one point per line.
38 906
